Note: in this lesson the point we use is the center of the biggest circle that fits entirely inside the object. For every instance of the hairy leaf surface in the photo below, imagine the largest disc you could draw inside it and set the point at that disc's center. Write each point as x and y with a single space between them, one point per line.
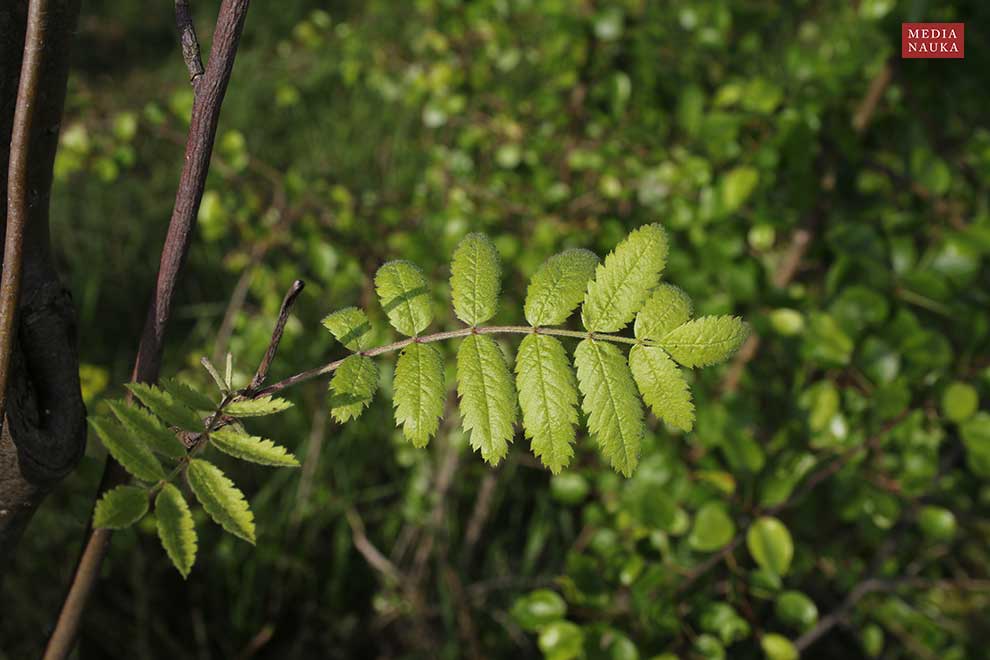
488 398
147 428
162 404
235 442
615 414
475 279
350 326
130 452
405 296
548 397
624 280
121 507
175 528
705 341
665 309
352 387
221 499
419 392
558 287
662 385
265 405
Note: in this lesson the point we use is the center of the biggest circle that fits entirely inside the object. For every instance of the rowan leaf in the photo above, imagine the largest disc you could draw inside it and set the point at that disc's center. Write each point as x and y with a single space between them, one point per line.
665 309
187 396
175 528
237 443
131 453
352 387
121 507
265 405
662 385
475 279
405 296
419 392
558 287
624 280
615 413
705 341
148 429
221 499
165 406
350 326
488 398
548 397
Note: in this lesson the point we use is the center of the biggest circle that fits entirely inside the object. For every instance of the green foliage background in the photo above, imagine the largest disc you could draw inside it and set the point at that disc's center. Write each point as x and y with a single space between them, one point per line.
359 132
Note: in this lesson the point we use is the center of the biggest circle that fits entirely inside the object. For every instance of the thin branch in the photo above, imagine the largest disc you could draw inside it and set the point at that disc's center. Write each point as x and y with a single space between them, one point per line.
283 317
28 92
202 132
189 42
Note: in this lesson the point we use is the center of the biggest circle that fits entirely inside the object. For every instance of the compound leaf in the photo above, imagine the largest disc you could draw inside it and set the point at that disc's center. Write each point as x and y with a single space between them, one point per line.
624 280
221 499
548 397
265 405
419 392
187 396
475 279
131 453
558 287
175 528
121 507
662 385
352 387
235 442
705 341
405 296
615 414
665 309
148 429
162 404
350 326
488 398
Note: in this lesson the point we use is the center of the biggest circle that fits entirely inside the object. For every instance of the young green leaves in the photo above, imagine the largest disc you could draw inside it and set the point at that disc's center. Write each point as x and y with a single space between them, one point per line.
626 286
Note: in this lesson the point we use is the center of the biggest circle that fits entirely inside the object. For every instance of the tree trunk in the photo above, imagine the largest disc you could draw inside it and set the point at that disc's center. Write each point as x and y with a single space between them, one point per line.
44 431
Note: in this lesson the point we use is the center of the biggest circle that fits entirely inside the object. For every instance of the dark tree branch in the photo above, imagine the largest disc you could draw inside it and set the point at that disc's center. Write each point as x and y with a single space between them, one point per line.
189 42
210 92
283 317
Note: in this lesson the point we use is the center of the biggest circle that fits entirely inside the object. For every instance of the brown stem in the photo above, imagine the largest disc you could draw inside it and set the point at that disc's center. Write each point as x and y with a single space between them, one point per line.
17 186
210 92
189 42
283 317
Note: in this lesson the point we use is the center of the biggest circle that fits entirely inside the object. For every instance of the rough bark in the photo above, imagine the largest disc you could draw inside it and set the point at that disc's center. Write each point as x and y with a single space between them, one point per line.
44 431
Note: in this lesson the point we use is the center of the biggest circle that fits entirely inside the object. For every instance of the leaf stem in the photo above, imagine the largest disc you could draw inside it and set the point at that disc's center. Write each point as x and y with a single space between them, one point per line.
330 367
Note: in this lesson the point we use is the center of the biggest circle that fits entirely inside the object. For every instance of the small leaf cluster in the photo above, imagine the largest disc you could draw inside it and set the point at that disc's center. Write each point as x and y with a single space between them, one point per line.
159 444
547 389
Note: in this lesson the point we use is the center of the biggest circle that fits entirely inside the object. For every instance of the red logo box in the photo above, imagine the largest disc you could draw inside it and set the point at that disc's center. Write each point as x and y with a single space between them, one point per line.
933 41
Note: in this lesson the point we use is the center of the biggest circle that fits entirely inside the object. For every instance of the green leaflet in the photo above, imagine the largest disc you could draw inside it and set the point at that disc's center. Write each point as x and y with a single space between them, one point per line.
488 399
665 309
187 396
221 499
548 397
405 296
558 287
265 405
235 442
175 528
705 341
352 387
121 507
615 414
162 404
350 326
148 429
134 455
475 279
662 385
622 283
770 544
419 392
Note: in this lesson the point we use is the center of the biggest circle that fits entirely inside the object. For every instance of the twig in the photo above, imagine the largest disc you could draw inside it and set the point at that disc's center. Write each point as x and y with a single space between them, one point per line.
189 42
283 317
202 132
371 554
28 91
